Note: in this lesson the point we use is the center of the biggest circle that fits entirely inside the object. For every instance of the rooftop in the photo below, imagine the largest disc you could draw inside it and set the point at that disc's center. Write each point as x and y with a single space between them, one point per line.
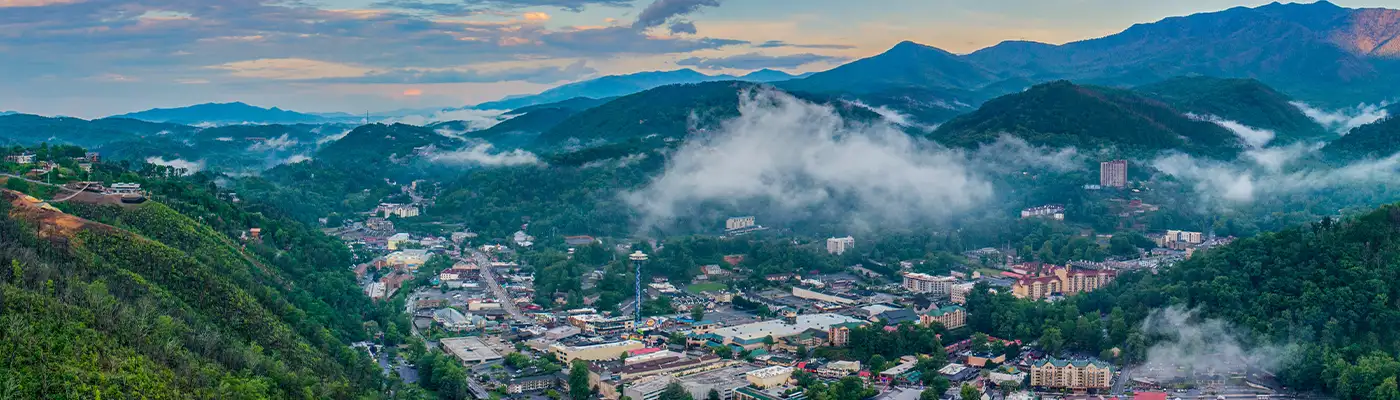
779 328
469 349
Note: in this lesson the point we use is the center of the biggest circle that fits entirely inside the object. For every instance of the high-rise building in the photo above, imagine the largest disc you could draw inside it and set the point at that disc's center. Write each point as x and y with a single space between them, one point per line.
839 246
938 286
1113 173
738 223
1064 374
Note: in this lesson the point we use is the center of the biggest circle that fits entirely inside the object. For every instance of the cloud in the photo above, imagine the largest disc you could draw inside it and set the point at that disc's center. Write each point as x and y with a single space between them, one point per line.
189 167
475 119
278 143
333 137
758 61
1344 120
680 27
779 43
620 39
1013 152
290 69
33 3
296 159
660 11
541 74
482 154
474 7
1226 184
413 92
804 161
1253 137
1191 343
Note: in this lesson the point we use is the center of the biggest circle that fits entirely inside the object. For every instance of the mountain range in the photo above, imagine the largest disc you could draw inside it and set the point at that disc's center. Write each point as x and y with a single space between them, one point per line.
622 85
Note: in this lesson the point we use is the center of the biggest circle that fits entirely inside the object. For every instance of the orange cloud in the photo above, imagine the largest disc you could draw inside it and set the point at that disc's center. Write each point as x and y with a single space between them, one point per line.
413 92
34 3
536 16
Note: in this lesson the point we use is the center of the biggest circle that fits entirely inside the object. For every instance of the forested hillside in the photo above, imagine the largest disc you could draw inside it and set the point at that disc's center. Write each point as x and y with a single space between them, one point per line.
1064 114
1378 139
146 301
1246 101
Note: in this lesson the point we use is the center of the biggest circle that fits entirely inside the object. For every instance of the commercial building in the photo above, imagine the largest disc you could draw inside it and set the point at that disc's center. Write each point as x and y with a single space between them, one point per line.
952 317
938 286
769 377
1056 212
400 210
752 335
125 188
594 352
397 239
738 223
1180 240
723 380
470 350
575 241
1113 173
534 383
1050 280
839 246
648 388
813 295
1075 375
452 320
959 292
603 326
410 259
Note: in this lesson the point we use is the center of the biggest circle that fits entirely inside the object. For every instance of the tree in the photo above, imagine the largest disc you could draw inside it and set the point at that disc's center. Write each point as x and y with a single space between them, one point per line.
16 273
1052 341
970 392
674 391
724 352
697 313
877 363
930 394
938 385
578 381
713 395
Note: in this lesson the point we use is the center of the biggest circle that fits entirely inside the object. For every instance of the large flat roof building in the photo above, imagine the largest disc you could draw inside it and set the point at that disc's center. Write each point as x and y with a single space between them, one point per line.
753 333
469 349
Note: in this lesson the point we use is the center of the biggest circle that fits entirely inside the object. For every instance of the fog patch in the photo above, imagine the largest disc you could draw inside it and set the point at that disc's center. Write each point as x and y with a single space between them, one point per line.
803 160
1344 120
224 139
1251 136
484 154
1192 344
620 162
1011 151
188 167
332 137
475 120
278 143
1225 184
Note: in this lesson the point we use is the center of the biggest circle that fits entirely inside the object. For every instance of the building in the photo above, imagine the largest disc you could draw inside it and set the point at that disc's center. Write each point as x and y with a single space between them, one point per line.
723 380
938 286
823 297
93 157
593 352
1113 174
840 334
575 241
410 259
471 350
125 188
960 291
897 316
648 388
522 239
1074 375
1050 280
952 317
534 383
838 246
768 377
1053 211
606 326
400 210
838 369
393 242
753 335
22 158
452 320
738 223
1180 240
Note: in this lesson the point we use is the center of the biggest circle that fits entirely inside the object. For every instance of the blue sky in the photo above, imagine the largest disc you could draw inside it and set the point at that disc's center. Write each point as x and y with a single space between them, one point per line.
91 58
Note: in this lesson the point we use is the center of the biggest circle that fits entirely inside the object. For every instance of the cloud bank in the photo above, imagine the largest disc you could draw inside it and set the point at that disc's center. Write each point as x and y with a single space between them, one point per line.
1201 345
482 154
189 167
1224 184
803 160
1251 136
758 61
1344 120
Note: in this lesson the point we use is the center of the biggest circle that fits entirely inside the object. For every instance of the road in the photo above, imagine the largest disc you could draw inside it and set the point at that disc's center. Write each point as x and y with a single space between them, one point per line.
1122 380
489 276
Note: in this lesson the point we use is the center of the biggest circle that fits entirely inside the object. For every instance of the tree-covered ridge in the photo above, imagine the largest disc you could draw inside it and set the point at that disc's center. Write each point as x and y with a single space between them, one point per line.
28 129
1374 140
1064 114
1246 101
186 312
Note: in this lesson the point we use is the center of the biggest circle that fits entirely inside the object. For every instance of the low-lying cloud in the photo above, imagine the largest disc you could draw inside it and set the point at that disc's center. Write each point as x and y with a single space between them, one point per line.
1201 345
1344 120
475 119
278 143
484 154
803 160
189 167
1230 183
1251 136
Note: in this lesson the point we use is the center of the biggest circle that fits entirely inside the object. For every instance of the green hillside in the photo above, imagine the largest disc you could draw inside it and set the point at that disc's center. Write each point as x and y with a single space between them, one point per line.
1064 114
146 302
1246 101
1375 140
28 129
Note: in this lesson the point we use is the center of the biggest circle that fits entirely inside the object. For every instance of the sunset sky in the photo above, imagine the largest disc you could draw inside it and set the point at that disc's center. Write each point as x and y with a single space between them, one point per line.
91 58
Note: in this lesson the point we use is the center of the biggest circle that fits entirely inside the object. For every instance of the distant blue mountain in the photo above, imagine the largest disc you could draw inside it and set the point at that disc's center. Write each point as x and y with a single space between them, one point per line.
622 85
8 112
224 114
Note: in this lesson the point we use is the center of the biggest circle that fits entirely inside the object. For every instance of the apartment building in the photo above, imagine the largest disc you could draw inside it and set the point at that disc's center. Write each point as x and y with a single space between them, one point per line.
839 246
1051 280
1113 174
952 317
938 286
1074 375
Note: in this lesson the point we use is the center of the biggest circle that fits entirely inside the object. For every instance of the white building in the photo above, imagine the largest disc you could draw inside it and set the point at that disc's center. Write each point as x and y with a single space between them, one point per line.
960 291
938 286
411 259
769 377
125 188
839 246
523 240
25 158
1056 212
738 223
452 320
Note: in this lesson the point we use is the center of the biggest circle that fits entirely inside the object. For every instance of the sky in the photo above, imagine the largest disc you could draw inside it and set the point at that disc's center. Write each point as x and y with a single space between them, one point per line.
93 58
